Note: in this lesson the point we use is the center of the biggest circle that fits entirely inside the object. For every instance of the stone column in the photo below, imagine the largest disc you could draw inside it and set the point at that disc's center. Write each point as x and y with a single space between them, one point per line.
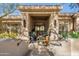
53 30
55 20
76 22
24 27
53 26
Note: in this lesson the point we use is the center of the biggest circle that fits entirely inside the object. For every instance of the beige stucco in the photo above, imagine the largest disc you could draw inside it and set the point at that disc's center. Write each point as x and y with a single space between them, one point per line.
52 12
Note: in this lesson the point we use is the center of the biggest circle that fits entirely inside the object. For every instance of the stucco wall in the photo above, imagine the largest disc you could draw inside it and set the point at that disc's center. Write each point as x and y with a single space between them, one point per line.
77 24
11 48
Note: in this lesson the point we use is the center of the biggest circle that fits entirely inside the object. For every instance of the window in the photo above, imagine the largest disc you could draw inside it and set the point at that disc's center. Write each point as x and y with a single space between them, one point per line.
39 28
63 27
36 28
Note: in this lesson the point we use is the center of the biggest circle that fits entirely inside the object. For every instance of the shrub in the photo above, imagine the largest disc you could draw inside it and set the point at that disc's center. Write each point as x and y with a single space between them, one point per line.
74 34
64 34
8 35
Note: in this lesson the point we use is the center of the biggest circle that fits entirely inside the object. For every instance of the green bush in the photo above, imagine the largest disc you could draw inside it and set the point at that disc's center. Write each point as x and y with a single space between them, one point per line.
64 34
8 35
74 34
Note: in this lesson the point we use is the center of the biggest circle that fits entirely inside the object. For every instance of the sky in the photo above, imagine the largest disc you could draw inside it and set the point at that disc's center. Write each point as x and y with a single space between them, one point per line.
66 7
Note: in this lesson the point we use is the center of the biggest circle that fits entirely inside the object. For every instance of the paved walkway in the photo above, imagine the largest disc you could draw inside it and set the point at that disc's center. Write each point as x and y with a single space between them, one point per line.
75 47
40 50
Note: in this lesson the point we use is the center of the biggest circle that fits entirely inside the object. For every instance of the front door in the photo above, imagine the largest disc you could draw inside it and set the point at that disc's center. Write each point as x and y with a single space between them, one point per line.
39 29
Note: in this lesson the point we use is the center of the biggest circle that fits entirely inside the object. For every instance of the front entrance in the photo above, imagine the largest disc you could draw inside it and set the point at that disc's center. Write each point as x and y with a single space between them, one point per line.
39 25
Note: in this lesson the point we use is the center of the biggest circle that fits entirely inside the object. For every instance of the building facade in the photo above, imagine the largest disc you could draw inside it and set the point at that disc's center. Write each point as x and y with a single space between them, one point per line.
42 19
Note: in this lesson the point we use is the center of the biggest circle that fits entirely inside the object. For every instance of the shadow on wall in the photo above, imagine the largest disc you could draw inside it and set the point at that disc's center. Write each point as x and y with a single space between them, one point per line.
12 47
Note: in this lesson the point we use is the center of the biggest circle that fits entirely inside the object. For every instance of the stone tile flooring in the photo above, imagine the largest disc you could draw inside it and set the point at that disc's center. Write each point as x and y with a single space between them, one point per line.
75 47
67 48
40 50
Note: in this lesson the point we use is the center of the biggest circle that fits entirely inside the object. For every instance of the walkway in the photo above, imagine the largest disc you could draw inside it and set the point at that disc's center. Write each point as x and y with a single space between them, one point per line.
39 50
58 50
